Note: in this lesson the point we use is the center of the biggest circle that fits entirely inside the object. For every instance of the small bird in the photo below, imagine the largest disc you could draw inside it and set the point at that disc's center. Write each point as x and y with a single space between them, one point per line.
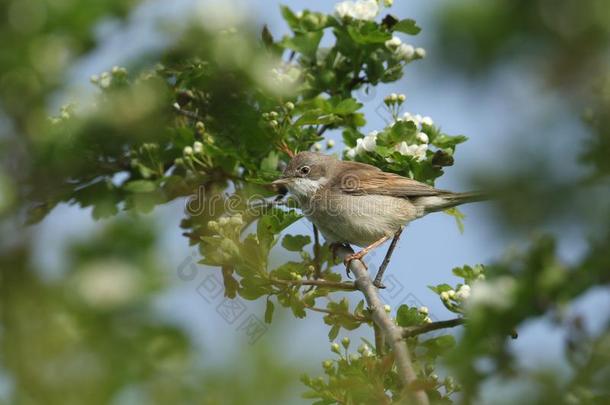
359 204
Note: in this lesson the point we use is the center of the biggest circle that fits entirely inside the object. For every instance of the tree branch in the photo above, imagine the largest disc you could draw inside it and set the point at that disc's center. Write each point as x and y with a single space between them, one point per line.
411 331
390 331
337 285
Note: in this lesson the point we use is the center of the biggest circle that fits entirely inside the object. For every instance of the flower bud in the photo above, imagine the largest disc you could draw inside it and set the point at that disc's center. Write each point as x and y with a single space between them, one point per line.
317 147
273 123
423 310
327 364
198 147
223 221
187 151
236 220
451 293
345 342
420 52
388 3
402 98
330 144
334 347
289 106
200 126
94 79
387 308
444 296
393 97
363 348
213 226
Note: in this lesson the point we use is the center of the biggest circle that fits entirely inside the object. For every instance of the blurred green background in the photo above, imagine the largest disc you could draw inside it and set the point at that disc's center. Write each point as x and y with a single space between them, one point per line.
111 311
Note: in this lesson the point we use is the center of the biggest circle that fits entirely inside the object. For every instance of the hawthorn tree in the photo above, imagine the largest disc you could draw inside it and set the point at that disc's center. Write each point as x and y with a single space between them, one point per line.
215 117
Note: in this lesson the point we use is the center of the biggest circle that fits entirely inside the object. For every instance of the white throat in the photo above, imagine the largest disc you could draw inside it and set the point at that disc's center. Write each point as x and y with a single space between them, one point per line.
304 189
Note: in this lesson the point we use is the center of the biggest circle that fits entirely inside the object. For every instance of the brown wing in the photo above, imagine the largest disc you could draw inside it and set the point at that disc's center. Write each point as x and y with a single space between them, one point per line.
365 179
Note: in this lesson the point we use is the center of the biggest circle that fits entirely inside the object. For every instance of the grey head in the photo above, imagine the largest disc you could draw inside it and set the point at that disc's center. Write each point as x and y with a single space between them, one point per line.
306 173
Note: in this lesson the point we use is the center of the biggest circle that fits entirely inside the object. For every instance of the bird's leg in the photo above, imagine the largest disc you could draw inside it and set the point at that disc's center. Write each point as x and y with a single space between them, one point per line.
386 260
333 248
359 255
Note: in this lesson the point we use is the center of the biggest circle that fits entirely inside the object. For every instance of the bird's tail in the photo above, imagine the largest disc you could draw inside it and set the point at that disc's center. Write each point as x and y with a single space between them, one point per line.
449 200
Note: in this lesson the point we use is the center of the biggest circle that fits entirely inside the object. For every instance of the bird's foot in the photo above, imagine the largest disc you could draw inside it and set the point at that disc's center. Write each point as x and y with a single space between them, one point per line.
378 284
354 256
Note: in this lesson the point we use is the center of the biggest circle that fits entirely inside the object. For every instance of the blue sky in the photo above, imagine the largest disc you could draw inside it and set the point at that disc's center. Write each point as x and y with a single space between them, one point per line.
501 116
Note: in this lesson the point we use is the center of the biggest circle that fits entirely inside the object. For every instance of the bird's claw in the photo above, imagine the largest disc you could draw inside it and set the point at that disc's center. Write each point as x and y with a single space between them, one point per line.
354 256
379 284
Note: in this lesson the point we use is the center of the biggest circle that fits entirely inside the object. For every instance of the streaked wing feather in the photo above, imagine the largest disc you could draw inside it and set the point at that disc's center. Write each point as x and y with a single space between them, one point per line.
362 180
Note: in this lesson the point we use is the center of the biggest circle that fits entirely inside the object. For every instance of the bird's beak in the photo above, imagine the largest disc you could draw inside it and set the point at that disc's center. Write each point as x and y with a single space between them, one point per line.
281 183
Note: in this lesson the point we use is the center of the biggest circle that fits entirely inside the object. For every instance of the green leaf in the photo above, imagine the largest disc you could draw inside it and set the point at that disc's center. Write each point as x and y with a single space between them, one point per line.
272 223
295 243
304 43
368 33
406 316
269 163
408 26
140 186
440 288
269 311
334 332
290 17
347 106
459 217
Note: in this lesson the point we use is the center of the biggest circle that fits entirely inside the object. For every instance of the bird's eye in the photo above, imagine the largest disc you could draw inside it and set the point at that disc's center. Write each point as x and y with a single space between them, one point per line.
304 170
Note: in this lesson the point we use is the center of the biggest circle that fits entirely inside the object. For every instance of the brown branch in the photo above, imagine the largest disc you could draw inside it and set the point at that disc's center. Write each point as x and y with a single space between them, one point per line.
390 331
337 285
411 331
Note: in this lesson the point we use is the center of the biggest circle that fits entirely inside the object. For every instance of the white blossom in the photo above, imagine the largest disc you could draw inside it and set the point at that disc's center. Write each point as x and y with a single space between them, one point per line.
427 120
393 43
358 10
495 293
405 51
416 151
188 151
108 284
330 143
420 52
463 293
366 144
198 147
350 153
105 80
317 147
422 137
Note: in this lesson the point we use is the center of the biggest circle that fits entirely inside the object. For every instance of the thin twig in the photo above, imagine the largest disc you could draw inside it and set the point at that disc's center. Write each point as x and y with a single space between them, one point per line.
411 331
329 312
391 332
187 113
337 285
316 252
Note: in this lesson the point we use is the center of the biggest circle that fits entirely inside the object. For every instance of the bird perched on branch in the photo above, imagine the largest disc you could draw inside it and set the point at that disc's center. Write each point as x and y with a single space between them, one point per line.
359 204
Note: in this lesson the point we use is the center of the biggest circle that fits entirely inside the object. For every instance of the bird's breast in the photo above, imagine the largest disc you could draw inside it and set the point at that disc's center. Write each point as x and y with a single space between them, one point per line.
357 219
